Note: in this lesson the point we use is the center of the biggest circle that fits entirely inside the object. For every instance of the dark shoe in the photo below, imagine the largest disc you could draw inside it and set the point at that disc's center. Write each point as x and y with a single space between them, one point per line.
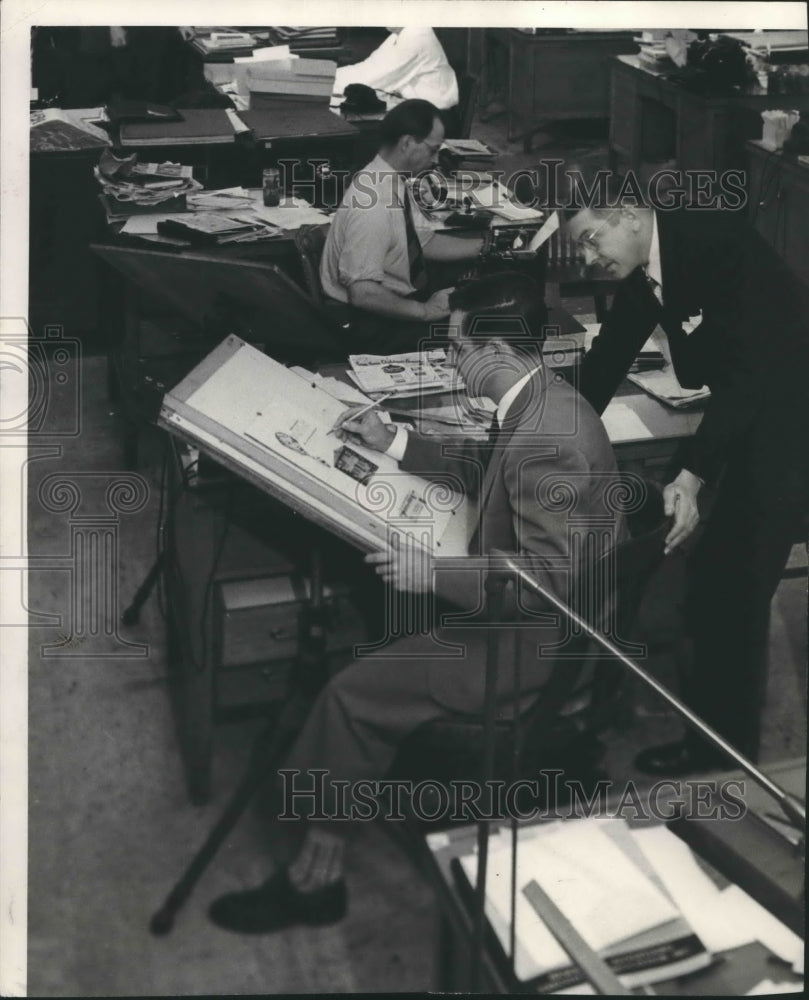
278 904
680 758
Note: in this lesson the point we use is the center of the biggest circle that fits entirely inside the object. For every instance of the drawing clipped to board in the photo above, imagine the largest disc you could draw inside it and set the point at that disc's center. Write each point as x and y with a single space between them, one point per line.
271 425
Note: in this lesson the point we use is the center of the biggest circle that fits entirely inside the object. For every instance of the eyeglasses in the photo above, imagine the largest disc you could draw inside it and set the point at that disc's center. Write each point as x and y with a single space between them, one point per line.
587 240
431 146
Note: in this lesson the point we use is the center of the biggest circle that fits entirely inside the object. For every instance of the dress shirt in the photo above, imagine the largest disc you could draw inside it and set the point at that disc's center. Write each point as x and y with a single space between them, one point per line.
411 63
654 271
398 445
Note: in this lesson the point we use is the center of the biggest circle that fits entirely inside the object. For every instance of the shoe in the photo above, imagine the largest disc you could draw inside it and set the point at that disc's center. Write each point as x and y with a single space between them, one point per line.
680 758
278 904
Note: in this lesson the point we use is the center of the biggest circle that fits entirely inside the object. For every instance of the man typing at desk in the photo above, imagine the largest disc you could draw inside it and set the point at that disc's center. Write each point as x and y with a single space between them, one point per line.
375 262
547 435
750 346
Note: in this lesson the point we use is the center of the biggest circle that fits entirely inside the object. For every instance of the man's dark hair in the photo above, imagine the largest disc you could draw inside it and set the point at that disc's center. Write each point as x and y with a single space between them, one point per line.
414 117
505 306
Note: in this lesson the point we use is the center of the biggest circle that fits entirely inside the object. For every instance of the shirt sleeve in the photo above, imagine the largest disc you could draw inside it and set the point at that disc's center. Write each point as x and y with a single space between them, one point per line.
398 445
366 240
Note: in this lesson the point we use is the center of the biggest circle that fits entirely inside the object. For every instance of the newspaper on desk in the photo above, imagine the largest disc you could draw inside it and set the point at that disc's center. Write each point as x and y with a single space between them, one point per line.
404 374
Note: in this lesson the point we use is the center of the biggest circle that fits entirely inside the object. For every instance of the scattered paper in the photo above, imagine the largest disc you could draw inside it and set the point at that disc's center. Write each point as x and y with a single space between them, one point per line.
767 987
623 423
292 214
693 892
547 230
663 385
333 386
741 908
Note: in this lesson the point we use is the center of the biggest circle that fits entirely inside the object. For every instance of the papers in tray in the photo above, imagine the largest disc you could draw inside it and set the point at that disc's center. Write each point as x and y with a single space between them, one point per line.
663 386
469 148
404 374
600 880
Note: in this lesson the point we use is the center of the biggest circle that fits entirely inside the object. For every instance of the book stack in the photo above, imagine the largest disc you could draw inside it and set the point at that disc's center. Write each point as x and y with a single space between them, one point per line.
220 43
282 80
598 876
198 127
306 38
213 229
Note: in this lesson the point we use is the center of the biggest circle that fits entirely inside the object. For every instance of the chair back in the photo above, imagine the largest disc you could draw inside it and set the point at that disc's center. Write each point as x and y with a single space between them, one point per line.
464 112
309 242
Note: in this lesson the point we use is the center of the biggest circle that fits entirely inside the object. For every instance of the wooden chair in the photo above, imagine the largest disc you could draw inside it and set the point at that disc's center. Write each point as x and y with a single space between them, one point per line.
459 119
309 242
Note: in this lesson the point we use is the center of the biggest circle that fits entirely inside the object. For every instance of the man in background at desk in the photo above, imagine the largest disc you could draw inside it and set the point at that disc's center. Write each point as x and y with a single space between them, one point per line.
548 436
750 347
374 266
410 63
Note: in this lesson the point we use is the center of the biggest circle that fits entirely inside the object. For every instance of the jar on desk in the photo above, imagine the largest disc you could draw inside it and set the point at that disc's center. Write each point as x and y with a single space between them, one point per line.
271 186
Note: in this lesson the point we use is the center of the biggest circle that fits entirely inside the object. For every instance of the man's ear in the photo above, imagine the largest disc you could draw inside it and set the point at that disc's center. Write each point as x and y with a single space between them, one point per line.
632 218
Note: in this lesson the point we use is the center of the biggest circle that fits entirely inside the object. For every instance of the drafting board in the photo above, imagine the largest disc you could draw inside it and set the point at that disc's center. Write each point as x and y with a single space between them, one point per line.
202 286
269 425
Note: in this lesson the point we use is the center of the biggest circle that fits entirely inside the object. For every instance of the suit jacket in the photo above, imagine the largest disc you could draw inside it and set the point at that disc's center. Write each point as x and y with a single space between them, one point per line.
549 477
751 348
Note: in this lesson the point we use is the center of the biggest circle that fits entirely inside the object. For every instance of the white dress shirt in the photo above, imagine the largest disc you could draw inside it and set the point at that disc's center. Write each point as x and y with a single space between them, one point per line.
398 445
410 62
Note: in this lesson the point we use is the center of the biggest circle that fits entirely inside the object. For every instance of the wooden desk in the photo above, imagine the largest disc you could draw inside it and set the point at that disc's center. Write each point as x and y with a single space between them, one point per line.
556 76
739 970
709 131
778 203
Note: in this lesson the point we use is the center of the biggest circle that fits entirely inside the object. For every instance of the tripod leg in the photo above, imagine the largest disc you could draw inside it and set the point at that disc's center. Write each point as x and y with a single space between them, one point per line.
132 613
261 761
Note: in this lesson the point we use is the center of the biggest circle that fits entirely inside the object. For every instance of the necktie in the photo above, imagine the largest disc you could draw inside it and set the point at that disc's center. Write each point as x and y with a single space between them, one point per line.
415 255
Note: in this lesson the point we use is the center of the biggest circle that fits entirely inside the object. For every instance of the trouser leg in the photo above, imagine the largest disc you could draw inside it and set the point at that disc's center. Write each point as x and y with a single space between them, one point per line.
733 574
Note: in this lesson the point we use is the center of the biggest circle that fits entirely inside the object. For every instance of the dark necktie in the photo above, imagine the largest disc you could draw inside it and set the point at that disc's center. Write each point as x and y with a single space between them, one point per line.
415 255
678 342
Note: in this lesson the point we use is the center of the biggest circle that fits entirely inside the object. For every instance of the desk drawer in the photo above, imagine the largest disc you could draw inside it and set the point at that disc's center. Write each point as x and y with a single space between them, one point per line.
259 619
248 686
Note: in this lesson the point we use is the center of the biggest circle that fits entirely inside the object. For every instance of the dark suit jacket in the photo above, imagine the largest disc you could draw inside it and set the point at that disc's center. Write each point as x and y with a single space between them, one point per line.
551 473
751 348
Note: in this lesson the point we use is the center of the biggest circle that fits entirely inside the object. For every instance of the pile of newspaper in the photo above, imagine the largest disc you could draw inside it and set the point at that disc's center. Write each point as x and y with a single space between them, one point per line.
404 374
126 182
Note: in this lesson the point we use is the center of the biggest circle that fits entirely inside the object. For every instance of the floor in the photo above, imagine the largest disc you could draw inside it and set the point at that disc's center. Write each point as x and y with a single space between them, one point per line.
111 827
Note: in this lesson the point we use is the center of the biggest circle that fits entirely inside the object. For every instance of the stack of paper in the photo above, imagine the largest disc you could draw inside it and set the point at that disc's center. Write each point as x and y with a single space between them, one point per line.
597 877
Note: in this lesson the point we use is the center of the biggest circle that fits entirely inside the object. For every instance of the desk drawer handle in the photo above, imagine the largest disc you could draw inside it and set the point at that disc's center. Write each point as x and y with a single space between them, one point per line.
281 633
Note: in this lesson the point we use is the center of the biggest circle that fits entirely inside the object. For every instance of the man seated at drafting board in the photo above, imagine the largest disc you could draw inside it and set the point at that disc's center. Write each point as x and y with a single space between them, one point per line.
548 442
374 268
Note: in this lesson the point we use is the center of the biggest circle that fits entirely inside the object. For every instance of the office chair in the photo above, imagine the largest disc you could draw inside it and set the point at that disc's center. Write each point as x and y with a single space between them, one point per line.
459 119
559 729
309 242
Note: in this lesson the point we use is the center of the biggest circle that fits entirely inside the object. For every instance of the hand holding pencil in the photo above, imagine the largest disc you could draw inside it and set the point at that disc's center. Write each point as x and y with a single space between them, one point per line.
362 424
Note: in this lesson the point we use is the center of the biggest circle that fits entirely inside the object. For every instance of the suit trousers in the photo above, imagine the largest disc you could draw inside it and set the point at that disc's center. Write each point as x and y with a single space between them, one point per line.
366 710
758 514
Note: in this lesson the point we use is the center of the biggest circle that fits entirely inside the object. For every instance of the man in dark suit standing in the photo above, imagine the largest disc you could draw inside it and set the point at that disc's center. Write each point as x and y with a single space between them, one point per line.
550 447
750 347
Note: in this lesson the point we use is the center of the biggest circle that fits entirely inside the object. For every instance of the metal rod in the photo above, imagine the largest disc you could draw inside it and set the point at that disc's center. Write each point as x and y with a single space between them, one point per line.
791 805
